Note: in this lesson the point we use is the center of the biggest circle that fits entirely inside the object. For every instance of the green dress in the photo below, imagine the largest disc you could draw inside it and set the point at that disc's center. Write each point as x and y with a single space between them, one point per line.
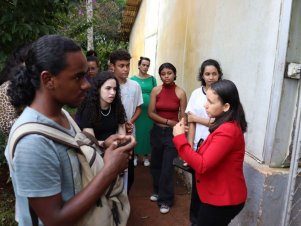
144 124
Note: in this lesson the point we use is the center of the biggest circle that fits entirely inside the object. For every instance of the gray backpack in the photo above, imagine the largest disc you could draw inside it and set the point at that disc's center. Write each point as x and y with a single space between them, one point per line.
112 208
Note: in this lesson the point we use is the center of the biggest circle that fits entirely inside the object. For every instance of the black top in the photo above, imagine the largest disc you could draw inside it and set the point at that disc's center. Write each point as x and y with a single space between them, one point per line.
103 128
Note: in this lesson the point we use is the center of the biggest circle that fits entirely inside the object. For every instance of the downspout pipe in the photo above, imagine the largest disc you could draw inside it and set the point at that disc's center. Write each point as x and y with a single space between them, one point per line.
293 172
278 77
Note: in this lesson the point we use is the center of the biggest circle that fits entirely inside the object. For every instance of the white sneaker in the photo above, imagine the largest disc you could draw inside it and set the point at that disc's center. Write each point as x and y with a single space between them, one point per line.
164 208
154 197
135 161
146 162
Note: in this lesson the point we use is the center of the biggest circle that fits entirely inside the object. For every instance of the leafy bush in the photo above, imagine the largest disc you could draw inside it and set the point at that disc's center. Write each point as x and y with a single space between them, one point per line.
71 111
25 21
106 21
7 217
2 148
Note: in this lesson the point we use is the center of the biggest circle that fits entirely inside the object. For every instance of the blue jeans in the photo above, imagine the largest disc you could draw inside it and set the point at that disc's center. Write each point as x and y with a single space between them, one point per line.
162 170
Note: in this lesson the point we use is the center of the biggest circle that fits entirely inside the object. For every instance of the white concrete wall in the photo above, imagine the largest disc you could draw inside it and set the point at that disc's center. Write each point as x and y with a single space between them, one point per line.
294 47
240 34
249 38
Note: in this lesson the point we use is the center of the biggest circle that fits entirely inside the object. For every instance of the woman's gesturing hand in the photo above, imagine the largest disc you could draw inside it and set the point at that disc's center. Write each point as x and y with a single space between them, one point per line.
180 128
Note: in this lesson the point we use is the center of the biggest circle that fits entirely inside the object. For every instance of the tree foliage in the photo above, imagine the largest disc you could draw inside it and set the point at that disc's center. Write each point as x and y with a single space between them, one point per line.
23 21
107 15
107 24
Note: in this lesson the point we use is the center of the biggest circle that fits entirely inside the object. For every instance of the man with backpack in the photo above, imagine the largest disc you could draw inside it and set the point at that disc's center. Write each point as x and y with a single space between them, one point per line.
46 173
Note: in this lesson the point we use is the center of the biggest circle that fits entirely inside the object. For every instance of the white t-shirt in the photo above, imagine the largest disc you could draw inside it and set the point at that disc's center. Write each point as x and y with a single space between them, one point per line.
131 97
195 105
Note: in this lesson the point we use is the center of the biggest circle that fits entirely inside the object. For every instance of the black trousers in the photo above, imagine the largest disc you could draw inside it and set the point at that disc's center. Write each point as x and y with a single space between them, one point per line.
131 171
194 202
210 215
162 170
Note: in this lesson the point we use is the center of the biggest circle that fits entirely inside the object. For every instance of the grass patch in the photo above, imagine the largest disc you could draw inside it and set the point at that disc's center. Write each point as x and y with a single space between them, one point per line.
7 218
7 197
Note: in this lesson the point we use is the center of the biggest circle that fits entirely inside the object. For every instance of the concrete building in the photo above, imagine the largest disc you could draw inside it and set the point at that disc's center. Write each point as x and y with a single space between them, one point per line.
255 42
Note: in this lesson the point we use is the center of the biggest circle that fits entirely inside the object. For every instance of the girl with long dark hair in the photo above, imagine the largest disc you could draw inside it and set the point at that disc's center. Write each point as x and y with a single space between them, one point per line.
102 113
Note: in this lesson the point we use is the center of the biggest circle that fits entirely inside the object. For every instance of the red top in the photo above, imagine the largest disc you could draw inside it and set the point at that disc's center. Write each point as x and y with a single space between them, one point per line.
167 103
218 165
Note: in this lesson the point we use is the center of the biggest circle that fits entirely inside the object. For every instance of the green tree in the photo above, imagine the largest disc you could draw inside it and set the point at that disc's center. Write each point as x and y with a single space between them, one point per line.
23 21
107 15
107 24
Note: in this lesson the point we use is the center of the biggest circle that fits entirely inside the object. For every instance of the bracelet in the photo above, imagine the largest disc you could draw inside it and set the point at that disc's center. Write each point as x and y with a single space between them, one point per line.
166 123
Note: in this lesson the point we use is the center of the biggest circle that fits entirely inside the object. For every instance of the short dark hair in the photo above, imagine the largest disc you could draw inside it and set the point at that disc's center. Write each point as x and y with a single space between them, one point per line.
143 58
91 52
169 66
120 54
228 93
93 59
48 53
209 62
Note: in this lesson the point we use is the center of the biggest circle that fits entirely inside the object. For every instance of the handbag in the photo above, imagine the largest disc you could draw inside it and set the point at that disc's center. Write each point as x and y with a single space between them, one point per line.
179 163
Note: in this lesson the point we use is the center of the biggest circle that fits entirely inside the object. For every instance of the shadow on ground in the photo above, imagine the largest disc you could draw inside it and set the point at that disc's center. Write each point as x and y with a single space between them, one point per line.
146 213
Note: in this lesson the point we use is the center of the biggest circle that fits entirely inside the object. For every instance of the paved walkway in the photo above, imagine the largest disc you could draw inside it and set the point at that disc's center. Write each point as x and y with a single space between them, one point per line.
146 213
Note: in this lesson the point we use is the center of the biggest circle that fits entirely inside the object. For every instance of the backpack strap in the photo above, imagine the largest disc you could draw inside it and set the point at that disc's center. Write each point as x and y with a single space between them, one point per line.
48 131
78 130
41 129
71 121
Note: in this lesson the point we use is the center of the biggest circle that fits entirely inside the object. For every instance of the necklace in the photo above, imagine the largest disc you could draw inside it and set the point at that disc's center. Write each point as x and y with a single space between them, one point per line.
107 113
143 78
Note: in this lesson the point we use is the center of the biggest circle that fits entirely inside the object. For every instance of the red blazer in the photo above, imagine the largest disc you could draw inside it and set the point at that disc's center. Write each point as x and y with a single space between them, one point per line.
218 165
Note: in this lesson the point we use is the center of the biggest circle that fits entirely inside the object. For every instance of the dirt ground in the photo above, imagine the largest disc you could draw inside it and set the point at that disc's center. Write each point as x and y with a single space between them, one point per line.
143 211
146 213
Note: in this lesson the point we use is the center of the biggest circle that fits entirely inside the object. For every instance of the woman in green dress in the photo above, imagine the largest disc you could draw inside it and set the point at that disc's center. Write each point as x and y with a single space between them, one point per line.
144 123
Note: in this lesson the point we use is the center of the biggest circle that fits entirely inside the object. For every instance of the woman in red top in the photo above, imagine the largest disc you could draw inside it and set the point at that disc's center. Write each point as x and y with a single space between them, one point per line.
218 163
167 103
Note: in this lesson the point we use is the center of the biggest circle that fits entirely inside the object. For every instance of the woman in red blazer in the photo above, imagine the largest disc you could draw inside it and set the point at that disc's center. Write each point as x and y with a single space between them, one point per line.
218 163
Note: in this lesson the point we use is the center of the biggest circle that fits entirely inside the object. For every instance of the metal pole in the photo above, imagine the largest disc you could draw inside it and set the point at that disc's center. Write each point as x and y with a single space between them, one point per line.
89 7
293 172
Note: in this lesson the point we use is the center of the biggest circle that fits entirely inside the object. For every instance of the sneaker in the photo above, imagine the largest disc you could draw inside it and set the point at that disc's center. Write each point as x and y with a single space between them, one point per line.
164 208
135 161
154 197
146 162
